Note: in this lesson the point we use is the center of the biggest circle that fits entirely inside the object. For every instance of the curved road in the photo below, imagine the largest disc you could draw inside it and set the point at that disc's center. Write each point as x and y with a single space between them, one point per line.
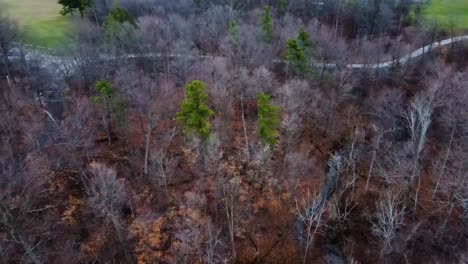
57 62
402 60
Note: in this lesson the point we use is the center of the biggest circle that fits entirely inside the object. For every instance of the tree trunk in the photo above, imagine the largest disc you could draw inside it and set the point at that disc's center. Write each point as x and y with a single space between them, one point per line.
147 145
245 128
374 155
442 170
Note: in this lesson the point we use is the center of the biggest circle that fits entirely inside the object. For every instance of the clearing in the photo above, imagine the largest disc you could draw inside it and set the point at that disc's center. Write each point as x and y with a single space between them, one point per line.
448 13
39 19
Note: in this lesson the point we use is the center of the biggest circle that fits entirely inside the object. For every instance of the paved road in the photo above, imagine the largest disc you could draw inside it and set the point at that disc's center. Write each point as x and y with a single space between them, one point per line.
67 64
402 60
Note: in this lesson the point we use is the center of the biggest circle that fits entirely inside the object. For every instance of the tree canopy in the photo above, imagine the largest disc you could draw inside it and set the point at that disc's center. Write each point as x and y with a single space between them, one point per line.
71 6
266 22
268 120
195 114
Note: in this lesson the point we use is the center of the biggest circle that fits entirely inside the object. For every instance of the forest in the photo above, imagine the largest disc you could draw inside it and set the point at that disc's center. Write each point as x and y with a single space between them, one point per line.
235 131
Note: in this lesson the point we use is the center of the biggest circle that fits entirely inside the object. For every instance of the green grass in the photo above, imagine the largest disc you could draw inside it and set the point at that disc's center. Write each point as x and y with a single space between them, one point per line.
448 13
39 20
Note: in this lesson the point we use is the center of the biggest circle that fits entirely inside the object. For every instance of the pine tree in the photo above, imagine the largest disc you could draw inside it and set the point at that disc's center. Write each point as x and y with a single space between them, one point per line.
268 120
107 98
283 5
234 32
304 40
266 23
117 16
195 114
296 57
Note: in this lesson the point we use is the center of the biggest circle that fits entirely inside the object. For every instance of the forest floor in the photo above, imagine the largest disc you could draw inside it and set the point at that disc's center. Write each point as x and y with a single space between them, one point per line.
449 13
40 21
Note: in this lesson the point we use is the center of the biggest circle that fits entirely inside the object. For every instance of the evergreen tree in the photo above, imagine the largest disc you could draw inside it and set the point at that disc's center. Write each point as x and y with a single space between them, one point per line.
198 7
234 32
71 6
283 6
195 114
304 40
306 44
107 98
268 120
118 16
266 22
296 57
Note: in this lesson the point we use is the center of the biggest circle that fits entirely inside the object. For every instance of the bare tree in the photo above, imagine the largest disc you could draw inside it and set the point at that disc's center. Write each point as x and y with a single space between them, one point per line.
453 186
213 154
340 212
22 189
106 194
418 117
259 163
309 213
443 166
162 163
213 242
353 157
390 216
295 98
375 147
8 34
229 190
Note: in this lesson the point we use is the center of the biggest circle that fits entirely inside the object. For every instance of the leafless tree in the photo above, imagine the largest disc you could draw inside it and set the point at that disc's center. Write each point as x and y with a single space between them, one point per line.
229 190
22 189
8 34
106 193
453 185
74 138
443 166
162 164
140 92
353 157
296 96
223 92
259 163
85 52
213 242
340 212
298 165
418 117
290 130
213 154
390 216
374 156
309 212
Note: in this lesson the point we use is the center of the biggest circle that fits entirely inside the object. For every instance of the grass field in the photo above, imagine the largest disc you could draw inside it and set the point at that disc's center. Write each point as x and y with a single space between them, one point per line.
449 12
40 20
